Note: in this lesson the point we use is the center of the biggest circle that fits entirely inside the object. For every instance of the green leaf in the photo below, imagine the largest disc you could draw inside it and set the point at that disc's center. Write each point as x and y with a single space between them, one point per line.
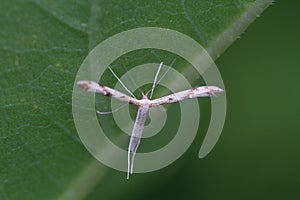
42 44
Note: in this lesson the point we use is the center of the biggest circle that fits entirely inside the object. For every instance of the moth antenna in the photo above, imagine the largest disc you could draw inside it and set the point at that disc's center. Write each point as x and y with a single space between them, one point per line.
115 75
155 78
167 70
132 80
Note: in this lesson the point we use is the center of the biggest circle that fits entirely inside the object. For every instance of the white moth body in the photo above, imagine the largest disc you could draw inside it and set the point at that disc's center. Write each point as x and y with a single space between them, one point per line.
136 133
144 106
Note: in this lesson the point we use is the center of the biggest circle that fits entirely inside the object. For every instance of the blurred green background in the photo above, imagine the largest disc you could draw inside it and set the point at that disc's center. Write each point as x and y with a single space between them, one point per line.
257 156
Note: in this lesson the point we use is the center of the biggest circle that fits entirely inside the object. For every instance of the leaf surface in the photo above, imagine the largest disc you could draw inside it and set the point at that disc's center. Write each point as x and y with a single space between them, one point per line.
42 44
